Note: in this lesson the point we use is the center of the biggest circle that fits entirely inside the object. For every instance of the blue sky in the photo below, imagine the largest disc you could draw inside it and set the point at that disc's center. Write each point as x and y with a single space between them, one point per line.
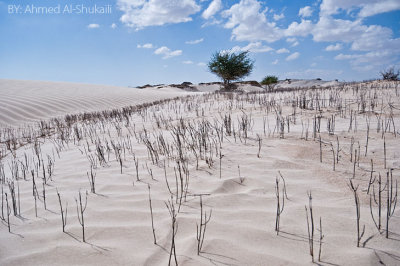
171 41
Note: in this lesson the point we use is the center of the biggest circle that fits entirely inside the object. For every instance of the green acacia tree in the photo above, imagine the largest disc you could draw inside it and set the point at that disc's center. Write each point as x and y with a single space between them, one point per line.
230 66
390 74
270 82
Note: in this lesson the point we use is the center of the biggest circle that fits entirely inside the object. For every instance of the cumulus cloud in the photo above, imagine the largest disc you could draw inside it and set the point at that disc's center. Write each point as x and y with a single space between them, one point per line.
305 12
346 56
254 47
93 26
146 46
113 26
293 56
212 9
275 62
314 73
278 17
373 59
373 39
139 14
334 47
329 29
303 28
294 42
249 23
282 51
195 41
330 7
378 7
211 22
367 7
187 62
201 64
167 53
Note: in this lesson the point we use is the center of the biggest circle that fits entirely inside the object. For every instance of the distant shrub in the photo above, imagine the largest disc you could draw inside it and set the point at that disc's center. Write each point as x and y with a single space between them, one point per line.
270 82
230 66
390 74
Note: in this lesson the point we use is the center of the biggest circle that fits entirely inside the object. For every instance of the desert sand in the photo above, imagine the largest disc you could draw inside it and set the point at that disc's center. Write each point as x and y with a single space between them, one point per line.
230 148
28 101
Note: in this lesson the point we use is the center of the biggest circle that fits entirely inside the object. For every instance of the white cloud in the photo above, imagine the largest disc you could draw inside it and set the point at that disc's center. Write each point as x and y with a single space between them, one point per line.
330 7
167 53
292 39
195 41
314 73
211 22
366 7
275 62
293 56
139 14
113 26
248 23
212 9
93 26
299 29
362 37
305 12
346 56
201 64
335 47
146 46
374 58
282 51
378 7
188 62
254 47
278 17
329 30
375 38
377 42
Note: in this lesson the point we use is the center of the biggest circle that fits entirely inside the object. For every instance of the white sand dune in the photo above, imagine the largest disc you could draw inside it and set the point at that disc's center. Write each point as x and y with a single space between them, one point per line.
29 101
305 83
282 84
241 228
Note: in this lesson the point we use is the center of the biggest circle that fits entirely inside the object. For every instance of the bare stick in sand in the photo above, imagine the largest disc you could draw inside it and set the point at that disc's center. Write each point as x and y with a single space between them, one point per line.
152 219
80 209
64 213
357 202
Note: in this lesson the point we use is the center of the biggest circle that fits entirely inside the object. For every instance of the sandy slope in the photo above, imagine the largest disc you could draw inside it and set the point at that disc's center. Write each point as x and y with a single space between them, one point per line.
304 83
241 229
28 101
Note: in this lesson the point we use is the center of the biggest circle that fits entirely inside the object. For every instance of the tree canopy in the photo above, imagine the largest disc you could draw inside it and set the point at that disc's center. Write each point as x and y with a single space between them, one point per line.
390 74
230 66
270 82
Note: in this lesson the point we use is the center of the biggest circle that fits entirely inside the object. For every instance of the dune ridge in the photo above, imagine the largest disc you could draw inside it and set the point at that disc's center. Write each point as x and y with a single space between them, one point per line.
23 102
